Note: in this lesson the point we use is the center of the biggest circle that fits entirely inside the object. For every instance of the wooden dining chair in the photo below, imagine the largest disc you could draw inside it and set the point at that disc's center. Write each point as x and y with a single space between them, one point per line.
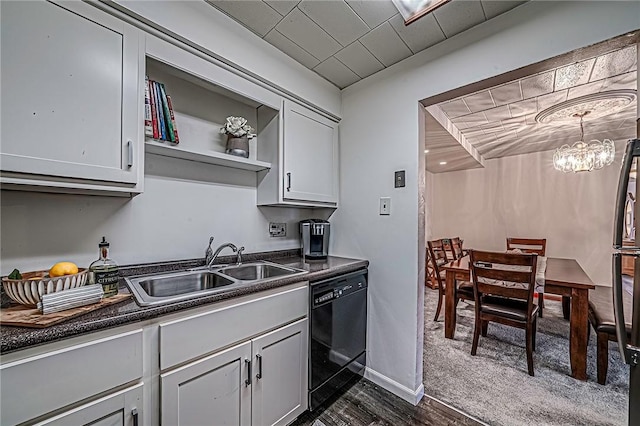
539 247
503 284
438 256
456 248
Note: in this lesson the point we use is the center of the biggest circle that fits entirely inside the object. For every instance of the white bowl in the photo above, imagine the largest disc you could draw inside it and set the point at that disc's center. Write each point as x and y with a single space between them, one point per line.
29 290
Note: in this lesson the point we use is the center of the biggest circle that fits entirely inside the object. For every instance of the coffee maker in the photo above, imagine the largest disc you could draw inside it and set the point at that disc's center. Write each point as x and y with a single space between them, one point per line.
314 234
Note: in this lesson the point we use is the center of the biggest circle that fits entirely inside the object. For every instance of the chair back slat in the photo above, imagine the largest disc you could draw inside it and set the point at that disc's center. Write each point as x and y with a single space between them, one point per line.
438 256
503 274
456 248
528 245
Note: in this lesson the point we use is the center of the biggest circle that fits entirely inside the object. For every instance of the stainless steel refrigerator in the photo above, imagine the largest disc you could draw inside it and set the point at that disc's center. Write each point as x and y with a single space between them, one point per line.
626 217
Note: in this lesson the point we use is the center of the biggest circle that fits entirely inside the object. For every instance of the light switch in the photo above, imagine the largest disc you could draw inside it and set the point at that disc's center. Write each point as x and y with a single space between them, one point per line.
399 179
385 206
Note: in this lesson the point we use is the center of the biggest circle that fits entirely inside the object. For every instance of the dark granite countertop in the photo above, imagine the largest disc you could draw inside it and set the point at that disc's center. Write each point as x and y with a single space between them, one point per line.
128 312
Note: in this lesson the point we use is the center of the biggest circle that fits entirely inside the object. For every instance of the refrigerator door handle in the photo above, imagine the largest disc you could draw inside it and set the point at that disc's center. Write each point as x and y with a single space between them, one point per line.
632 150
630 354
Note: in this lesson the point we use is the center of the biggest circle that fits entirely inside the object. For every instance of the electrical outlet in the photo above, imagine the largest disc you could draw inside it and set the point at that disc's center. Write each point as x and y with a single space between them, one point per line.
277 229
385 206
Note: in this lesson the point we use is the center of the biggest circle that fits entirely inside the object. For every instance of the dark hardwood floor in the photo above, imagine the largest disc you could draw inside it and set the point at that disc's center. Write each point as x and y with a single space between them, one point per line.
365 403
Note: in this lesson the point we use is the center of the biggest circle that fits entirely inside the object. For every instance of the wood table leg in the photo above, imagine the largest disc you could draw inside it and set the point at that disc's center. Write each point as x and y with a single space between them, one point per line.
450 305
578 335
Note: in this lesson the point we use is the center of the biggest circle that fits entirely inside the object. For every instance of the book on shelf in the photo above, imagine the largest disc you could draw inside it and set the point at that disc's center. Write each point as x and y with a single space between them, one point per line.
148 127
160 121
167 115
173 119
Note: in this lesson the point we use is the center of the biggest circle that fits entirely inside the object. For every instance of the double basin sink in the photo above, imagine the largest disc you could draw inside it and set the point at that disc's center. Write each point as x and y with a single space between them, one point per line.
172 287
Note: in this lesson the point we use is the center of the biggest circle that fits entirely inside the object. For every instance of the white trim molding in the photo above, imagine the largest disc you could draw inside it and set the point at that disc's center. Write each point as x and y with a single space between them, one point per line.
409 395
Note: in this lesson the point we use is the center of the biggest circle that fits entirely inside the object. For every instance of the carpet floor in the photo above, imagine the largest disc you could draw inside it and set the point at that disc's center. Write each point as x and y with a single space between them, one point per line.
494 385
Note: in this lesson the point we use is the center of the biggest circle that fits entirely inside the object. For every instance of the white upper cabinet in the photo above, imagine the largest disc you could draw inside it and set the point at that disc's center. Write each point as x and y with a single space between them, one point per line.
71 80
307 160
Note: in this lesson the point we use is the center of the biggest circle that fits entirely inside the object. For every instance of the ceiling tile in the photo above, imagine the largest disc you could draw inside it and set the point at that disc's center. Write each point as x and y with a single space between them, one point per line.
585 89
420 34
574 74
336 72
618 62
256 15
479 101
385 44
291 49
308 35
475 119
336 18
495 8
283 7
459 15
529 106
455 108
498 113
537 85
623 81
359 60
507 93
373 13
551 99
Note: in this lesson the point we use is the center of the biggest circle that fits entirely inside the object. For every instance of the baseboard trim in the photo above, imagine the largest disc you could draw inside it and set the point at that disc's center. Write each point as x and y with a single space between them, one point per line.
409 395
451 407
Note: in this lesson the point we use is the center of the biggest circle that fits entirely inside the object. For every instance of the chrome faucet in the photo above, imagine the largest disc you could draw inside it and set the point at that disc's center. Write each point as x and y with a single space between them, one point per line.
223 246
208 254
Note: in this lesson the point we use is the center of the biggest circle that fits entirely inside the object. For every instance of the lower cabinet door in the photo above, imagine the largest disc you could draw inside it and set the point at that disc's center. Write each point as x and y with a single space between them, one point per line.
215 390
280 375
123 408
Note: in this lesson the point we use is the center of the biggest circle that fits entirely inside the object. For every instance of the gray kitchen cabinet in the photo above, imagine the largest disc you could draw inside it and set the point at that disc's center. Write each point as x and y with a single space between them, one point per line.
212 390
261 382
123 408
71 110
280 380
304 158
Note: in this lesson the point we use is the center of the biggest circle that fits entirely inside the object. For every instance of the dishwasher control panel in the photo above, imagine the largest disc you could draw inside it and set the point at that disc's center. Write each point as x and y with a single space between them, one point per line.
337 288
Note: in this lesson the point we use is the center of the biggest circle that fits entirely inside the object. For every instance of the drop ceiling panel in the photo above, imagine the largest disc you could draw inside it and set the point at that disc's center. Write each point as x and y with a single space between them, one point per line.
256 15
511 127
310 31
336 18
420 34
373 13
539 84
495 8
359 59
298 27
458 16
283 7
290 48
507 93
444 147
334 70
386 45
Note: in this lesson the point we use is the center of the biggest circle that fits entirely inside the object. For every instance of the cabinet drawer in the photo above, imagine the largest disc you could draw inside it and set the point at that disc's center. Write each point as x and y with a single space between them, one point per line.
47 382
188 338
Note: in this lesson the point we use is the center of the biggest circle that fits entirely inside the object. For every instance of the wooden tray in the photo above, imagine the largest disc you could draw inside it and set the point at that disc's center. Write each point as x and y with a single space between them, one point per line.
23 316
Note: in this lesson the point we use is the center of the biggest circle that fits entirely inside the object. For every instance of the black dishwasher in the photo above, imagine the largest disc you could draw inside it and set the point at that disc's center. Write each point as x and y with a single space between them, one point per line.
338 330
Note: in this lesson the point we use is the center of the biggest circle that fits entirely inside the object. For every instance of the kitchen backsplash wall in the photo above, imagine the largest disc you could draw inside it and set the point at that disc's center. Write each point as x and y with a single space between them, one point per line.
183 204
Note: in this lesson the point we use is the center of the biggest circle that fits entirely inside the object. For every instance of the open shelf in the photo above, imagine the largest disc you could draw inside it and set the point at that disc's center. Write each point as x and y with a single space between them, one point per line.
210 157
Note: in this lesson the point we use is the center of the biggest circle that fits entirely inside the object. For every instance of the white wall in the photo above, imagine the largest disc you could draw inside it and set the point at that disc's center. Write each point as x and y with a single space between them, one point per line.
379 134
524 196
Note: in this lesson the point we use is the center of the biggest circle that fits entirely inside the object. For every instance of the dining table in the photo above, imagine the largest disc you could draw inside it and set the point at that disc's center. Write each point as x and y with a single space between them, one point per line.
564 277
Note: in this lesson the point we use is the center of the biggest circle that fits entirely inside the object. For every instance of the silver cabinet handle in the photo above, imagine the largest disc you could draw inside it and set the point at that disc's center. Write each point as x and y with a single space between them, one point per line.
134 415
288 181
259 375
248 381
130 156
632 151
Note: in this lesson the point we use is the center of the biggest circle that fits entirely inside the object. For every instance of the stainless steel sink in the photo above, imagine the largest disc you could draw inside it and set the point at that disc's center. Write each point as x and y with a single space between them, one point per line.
258 271
159 289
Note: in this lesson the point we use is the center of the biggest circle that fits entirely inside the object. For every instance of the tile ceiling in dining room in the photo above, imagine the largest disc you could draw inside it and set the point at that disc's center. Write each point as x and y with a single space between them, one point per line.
500 121
345 41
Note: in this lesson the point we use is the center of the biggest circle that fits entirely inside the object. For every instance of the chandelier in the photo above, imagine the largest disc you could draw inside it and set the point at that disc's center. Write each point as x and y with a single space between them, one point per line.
582 156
